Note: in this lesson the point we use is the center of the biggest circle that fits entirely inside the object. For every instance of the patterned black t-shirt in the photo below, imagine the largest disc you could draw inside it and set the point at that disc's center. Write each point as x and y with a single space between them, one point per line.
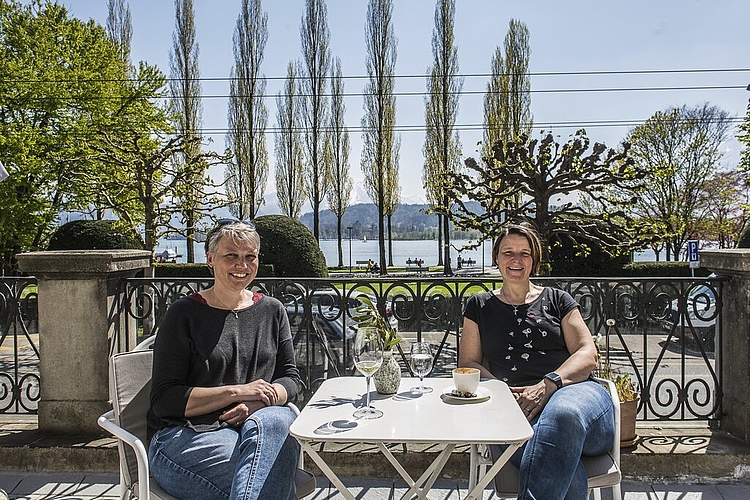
522 343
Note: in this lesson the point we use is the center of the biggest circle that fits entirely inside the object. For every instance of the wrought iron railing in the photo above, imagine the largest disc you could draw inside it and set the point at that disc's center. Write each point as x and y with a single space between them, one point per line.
665 330
19 352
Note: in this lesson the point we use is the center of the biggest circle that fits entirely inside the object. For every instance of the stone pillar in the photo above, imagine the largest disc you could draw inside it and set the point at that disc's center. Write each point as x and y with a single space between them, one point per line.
734 362
77 315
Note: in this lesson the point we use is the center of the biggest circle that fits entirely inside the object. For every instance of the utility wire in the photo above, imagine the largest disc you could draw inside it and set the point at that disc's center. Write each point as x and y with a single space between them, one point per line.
425 76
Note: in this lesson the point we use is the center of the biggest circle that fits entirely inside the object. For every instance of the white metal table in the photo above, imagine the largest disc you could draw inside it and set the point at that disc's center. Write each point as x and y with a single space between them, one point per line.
412 418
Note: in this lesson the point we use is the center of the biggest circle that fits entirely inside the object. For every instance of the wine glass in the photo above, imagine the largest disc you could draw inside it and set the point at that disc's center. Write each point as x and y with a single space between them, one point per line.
368 356
421 364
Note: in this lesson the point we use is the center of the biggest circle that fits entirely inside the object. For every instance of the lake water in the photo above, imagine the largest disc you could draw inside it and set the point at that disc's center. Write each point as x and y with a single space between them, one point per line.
363 250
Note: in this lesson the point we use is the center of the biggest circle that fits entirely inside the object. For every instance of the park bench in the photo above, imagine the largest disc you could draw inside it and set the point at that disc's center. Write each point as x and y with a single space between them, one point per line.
414 263
361 263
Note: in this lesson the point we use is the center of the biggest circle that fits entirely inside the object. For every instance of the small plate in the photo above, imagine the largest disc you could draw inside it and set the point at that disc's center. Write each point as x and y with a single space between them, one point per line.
483 394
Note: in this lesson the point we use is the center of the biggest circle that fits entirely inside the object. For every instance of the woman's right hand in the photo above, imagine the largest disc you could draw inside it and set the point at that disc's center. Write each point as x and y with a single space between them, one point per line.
203 400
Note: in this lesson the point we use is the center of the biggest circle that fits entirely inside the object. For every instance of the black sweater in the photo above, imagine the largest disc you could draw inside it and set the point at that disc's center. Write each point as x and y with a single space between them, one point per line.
201 346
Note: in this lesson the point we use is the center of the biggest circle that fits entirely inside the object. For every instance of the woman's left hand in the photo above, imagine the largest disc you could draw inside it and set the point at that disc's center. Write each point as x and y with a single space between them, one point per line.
531 398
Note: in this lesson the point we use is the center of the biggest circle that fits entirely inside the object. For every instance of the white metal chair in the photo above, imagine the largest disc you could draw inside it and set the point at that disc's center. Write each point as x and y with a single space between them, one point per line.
129 387
603 470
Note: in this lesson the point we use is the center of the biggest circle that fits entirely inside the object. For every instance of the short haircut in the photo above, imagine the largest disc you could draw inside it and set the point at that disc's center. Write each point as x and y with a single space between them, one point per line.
531 236
239 232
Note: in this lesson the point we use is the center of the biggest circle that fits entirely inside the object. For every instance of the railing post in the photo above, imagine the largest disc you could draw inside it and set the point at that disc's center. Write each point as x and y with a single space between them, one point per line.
733 352
78 292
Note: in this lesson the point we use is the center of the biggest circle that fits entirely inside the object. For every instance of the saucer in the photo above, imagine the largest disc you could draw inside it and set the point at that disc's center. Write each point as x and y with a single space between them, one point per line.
483 394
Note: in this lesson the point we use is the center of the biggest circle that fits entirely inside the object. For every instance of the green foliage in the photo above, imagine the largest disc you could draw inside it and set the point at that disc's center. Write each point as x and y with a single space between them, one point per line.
538 173
59 75
290 247
744 239
679 151
626 390
367 315
583 258
661 269
94 235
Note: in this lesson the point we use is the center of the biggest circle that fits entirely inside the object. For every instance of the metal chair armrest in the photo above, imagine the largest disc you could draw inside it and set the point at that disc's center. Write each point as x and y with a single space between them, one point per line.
106 423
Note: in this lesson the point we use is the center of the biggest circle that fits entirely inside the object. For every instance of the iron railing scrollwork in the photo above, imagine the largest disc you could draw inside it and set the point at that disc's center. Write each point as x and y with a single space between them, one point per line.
19 352
666 332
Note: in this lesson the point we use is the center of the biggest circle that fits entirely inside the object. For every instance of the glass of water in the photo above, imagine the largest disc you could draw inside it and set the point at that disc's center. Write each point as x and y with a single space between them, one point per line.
421 364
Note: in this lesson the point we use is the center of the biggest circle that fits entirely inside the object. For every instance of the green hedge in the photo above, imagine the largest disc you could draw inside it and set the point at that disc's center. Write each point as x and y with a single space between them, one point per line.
662 269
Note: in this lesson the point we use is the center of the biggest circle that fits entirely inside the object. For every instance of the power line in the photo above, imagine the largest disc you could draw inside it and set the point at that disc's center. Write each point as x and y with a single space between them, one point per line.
417 94
419 76
577 124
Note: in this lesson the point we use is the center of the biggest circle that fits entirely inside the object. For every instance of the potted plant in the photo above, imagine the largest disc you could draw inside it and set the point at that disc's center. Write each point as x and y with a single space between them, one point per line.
388 377
626 390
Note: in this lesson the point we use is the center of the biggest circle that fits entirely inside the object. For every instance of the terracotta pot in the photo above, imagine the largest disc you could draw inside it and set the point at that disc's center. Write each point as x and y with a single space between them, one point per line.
628 411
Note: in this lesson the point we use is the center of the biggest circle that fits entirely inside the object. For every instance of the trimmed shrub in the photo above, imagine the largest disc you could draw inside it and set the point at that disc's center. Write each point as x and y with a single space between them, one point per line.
95 235
290 247
744 240
662 270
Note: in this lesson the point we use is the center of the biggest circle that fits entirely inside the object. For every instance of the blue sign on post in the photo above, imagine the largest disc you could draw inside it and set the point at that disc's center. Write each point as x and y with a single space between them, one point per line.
693 258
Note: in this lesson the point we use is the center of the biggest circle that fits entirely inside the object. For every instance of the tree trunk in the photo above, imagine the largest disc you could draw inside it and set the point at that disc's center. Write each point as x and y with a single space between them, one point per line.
340 238
447 268
440 240
390 242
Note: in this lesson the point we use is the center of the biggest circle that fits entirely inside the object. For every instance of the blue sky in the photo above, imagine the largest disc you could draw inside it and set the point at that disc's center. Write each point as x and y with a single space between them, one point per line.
566 37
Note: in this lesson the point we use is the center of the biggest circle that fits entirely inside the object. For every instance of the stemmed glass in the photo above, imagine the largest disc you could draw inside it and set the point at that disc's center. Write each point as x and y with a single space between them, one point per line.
421 364
368 356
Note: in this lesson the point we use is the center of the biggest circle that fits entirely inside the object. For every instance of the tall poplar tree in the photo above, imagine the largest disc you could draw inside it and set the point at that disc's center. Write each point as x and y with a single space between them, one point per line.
507 103
246 176
290 182
442 148
340 193
393 193
120 26
185 89
380 149
316 56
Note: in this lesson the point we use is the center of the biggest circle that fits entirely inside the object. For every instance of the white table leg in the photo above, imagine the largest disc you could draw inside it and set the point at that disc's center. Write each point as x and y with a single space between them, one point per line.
326 470
492 472
421 486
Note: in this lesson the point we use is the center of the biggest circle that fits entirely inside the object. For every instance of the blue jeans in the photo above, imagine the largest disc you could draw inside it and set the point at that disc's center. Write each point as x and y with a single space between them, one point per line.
577 420
256 461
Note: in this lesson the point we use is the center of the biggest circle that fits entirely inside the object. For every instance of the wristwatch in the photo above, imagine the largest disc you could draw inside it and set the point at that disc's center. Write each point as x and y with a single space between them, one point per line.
554 377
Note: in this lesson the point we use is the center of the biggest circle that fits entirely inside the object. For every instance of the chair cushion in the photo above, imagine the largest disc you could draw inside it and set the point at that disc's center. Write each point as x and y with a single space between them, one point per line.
156 491
602 471
130 384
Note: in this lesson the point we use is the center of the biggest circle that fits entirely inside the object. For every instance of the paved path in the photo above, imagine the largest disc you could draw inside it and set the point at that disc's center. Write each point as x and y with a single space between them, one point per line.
75 486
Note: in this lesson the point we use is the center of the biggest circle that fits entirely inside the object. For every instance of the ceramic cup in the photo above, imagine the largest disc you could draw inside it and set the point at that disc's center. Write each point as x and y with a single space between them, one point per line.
466 380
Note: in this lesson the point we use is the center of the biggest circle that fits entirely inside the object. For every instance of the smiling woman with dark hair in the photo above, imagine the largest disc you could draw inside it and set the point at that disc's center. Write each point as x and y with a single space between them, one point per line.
223 369
534 339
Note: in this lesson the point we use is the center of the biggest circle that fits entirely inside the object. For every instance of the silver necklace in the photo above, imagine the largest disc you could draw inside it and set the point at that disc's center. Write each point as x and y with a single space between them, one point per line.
511 304
236 311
